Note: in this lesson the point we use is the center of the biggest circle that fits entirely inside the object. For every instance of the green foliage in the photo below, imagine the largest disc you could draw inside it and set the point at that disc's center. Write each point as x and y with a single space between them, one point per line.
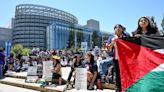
162 24
71 39
79 38
17 49
153 20
13 53
95 38
26 51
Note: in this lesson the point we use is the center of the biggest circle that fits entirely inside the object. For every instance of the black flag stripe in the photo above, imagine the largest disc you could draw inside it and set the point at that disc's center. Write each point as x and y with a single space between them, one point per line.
150 41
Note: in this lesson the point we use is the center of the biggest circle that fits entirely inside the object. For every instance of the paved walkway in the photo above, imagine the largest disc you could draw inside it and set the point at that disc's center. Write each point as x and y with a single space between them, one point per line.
8 88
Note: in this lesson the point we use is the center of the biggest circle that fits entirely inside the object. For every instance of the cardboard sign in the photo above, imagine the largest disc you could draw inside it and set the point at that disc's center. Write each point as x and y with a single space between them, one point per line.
32 74
32 70
47 70
31 79
84 46
81 78
34 63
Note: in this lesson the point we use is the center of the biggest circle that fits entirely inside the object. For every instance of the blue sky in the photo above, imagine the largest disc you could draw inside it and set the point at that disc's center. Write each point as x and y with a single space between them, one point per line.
107 12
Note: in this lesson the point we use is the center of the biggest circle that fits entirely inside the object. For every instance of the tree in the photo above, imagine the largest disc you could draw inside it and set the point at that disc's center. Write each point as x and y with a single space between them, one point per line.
95 38
79 38
153 21
162 24
154 24
71 39
26 51
17 49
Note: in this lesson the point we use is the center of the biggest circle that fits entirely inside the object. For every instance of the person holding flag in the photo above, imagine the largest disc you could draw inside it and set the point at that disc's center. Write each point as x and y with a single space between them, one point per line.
141 59
145 27
119 33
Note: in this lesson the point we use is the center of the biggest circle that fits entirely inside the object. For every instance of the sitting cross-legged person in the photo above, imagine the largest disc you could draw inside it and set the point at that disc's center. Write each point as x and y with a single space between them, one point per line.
92 70
57 74
77 63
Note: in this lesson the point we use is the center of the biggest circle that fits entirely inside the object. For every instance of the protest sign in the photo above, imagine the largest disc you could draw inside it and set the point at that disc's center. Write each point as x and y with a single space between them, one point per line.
47 70
81 78
32 74
32 70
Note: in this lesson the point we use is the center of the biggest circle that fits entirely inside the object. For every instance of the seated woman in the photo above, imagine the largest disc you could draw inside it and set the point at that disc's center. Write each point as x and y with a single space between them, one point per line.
92 70
77 63
57 70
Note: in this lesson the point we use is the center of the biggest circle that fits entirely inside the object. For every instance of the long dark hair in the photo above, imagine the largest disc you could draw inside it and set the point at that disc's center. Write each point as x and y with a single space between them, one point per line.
91 58
150 29
123 29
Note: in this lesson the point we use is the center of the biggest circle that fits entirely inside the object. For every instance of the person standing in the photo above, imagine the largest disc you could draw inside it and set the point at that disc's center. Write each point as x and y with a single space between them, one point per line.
2 62
145 27
119 33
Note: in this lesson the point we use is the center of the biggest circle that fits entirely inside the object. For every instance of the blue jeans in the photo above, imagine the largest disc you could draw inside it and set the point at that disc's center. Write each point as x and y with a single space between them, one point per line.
1 71
104 65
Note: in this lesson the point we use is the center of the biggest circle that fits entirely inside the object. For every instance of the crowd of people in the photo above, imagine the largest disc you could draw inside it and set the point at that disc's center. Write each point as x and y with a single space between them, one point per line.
98 61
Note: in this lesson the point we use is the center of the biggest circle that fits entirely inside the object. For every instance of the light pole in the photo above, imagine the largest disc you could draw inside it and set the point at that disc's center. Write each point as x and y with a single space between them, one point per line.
75 39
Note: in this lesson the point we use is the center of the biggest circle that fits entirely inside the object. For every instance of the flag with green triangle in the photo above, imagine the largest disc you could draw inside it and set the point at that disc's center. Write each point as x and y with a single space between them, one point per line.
141 62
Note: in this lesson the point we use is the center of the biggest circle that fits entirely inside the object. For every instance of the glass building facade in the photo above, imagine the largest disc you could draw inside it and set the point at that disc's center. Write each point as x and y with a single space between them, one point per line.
5 36
31 21
58 35
47 28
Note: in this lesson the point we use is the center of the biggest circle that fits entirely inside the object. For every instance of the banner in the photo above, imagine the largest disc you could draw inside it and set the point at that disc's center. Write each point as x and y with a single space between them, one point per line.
7 48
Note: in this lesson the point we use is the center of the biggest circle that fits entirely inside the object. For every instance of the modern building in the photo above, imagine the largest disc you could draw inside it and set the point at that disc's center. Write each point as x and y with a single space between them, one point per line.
49 28
58 35
31 23
5 36
93 25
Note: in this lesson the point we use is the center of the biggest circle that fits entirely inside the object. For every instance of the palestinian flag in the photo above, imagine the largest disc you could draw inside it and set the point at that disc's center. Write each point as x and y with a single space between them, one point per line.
141 62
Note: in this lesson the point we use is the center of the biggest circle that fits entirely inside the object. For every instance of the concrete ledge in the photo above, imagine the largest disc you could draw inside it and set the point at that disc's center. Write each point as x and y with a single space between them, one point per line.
23 75
32 86
20 77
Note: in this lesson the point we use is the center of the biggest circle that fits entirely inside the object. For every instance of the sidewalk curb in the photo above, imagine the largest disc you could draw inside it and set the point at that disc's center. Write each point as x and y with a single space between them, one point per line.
29 87
20 77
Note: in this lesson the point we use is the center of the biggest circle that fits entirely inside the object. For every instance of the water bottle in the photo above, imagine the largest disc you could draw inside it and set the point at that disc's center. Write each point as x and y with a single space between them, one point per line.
99 86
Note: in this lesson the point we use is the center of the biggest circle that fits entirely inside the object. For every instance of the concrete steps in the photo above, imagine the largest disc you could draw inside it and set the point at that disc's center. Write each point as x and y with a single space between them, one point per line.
20 75
34 86
18 80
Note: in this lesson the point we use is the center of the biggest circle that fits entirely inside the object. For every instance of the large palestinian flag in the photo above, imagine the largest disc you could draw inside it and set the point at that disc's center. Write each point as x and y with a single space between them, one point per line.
141 63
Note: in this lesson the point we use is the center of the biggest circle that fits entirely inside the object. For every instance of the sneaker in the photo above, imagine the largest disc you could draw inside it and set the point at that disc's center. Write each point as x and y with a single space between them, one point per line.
53 85
91 88
43 85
